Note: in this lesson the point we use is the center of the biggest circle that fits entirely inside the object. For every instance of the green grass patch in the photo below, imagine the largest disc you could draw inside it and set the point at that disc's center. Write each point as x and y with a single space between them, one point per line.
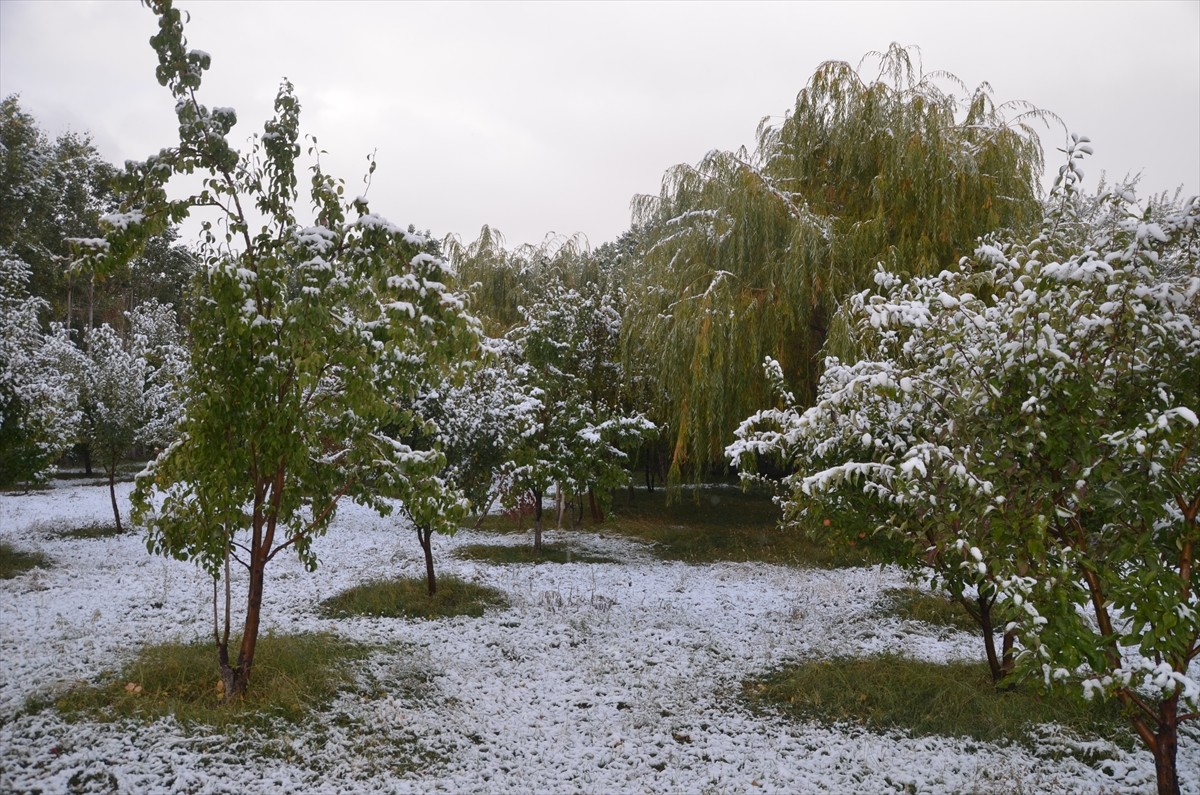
94 530
293 676
937 609
13 561
501 553
922 698
408 597
711 525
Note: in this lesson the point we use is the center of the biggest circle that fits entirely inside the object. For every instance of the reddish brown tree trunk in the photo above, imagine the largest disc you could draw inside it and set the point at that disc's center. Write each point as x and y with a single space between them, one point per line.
1162 740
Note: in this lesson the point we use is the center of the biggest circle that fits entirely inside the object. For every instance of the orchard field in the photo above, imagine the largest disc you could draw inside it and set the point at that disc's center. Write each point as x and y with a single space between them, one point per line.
413 514
597 678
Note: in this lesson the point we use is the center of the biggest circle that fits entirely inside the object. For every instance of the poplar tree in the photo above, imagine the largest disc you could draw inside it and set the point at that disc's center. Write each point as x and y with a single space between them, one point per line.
748 254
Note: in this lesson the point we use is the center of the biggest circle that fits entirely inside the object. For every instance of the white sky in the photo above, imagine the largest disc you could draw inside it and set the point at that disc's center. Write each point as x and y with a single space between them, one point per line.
539 117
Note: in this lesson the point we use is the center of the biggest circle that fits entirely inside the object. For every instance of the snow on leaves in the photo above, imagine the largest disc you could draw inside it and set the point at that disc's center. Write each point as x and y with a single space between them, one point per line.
1028 425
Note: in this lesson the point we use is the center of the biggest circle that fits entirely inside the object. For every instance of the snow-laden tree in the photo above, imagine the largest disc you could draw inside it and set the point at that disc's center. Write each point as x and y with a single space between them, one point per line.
308 343
130 389
39 413
1027 426
747 254
567 347
481 412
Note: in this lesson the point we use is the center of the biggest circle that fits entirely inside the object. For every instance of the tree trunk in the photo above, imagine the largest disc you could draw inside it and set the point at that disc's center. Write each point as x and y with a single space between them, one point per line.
537 519
484 514
1166 745
989 639
560 504
597 512
1008 661
237 678
86 449
425 536
112 493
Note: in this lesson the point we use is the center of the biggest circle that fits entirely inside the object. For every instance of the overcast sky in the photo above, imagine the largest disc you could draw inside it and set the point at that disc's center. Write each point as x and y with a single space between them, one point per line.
539 117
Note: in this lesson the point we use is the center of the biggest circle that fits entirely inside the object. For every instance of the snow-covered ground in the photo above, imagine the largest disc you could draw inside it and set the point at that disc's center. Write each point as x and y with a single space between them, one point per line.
601 678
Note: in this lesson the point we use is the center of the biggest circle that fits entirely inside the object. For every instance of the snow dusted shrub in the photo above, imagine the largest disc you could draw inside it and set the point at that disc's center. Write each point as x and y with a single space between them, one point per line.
1026 426
309 341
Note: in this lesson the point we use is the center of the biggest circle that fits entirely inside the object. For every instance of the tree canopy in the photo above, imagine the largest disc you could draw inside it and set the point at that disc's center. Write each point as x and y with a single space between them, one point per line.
748 254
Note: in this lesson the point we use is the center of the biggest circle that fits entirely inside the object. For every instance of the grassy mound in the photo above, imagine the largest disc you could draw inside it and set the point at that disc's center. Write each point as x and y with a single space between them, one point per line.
922 698
293 676
500 553
13 561
408 598
94 530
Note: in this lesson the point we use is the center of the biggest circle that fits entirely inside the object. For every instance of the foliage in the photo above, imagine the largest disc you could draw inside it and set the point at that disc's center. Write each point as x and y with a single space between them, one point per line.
309 342
49 192
39 411
1029 425
480 413
130 391
409 598
55 195
922 698
568 366
748 254
501 281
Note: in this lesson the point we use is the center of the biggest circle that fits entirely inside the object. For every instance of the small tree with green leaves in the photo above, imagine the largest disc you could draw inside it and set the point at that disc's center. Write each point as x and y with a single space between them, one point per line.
308 342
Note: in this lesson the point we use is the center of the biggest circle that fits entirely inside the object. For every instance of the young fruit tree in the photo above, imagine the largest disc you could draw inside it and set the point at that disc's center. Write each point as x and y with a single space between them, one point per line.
1027 426
308 341
569 366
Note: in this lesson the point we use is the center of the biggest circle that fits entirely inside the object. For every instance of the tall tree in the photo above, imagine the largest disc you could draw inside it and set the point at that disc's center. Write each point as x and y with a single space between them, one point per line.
39 407
55 194
748 254
308 344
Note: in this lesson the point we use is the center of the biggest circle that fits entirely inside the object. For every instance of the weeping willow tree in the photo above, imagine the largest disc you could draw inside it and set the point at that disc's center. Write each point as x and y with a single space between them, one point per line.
500 281
748 254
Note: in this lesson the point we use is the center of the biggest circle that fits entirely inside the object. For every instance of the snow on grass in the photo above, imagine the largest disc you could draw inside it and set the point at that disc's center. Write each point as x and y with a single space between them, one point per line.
601 678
